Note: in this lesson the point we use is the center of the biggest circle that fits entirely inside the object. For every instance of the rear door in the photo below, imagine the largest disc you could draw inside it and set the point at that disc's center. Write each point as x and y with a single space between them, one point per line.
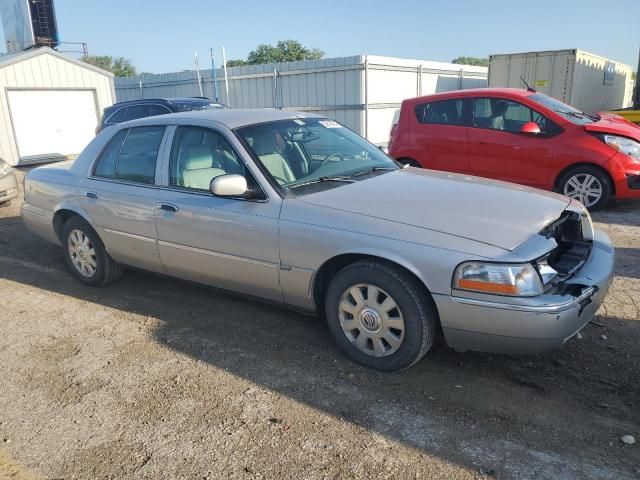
120 196
439 135
497 148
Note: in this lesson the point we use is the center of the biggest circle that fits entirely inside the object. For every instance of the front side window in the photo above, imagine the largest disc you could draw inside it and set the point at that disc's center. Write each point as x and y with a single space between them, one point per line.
131 155
198 155
445 112
505 115
299 152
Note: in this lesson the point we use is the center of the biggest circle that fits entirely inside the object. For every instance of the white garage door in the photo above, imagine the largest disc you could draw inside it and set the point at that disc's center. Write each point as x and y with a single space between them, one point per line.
52 123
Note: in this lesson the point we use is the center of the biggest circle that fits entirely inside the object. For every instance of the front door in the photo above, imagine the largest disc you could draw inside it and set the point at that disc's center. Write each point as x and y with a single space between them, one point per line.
120 196
498 150
229 243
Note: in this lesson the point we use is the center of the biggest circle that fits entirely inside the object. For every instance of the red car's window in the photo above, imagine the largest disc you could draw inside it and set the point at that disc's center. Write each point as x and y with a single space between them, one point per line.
506 115
444 112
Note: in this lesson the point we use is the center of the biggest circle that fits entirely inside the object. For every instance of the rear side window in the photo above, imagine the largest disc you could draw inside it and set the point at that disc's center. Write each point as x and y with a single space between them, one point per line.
137 111
158 110
445 112
131 155
117 117
106 165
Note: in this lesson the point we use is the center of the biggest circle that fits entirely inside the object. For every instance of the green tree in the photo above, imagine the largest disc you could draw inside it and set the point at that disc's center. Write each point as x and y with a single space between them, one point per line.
236 63
283 51
480 62
119 66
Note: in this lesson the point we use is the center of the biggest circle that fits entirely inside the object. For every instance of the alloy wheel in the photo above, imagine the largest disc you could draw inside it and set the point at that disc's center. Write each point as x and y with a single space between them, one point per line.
584 187
371 319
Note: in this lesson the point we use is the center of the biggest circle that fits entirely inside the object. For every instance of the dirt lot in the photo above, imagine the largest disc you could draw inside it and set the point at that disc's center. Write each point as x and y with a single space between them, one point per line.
153 378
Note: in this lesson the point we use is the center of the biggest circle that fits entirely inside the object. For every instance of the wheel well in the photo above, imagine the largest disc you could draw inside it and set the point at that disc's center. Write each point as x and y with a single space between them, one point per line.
332 266
410 161
584 164
60 218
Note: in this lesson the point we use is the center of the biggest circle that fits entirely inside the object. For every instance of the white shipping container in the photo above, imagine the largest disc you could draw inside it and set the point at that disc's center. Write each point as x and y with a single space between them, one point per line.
364 92
586 81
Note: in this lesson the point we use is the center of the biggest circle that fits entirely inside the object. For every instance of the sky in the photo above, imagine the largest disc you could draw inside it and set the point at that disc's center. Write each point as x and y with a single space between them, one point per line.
160 36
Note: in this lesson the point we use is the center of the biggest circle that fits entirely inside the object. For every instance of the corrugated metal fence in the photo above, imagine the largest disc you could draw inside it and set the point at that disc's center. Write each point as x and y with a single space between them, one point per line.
363 92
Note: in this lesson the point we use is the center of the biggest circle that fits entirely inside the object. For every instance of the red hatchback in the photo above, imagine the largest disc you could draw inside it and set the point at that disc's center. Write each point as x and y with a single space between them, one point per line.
521 136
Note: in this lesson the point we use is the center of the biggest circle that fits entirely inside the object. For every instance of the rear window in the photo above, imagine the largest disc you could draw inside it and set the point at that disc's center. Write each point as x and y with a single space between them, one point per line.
444 112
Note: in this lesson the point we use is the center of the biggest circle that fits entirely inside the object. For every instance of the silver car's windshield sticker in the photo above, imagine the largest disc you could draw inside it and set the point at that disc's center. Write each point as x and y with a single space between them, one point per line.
329 124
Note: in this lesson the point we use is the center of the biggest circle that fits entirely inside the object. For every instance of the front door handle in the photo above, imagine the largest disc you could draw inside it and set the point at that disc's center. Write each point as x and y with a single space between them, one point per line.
92 195
167 207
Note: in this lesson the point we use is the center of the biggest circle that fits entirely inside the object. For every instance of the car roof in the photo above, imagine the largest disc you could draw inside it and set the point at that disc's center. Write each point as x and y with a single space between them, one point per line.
474 92
165 101
232 118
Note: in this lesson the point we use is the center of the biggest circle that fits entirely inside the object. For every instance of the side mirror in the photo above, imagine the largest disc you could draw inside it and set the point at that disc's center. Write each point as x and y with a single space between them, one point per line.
230 185
530 128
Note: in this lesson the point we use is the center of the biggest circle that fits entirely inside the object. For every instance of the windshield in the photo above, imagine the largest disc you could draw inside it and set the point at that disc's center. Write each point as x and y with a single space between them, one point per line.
301 152
567 111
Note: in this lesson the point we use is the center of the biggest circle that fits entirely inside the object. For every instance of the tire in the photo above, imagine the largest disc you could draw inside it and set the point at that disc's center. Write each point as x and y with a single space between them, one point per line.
590 179
410 162
394 348
99 268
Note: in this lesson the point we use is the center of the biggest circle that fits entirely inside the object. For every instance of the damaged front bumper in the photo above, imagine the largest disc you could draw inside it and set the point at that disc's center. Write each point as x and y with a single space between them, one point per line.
530 325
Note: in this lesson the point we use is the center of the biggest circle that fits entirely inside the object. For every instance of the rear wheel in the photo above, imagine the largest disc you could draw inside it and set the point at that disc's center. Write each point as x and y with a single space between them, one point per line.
589 185
86 255
379 317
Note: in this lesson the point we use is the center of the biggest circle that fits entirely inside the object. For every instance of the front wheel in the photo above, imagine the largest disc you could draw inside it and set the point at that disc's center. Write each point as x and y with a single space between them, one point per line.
589 185
86 255
379 316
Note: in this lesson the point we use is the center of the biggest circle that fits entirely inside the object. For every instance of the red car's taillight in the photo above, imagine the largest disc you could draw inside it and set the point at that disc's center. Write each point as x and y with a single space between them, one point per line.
394 127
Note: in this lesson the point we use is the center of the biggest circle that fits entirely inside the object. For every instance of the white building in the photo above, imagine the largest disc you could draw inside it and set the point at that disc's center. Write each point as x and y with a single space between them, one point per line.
363 92
50 105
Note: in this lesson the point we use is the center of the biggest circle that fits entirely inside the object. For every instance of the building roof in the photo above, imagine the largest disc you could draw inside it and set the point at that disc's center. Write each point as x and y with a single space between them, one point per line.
12 58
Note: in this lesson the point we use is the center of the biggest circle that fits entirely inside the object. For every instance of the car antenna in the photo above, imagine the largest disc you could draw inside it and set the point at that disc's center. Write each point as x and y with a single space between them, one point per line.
529 89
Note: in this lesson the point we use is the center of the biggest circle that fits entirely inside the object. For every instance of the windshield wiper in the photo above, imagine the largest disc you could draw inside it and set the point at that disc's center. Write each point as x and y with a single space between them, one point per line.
373 169
326 178
579 115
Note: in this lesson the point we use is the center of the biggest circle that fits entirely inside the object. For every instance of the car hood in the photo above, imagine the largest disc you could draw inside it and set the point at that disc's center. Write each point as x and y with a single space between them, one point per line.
496 213
615 125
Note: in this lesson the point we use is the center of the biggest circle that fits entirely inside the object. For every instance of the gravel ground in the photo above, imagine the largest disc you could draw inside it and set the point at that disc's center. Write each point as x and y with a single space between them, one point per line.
154 378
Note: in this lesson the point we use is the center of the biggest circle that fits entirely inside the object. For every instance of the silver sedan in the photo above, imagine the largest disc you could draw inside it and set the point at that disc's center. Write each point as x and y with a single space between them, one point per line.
296 209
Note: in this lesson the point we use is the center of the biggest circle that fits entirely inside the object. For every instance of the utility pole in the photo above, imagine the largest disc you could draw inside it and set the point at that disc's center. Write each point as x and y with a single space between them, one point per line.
195 60
214 78
226 78
636 98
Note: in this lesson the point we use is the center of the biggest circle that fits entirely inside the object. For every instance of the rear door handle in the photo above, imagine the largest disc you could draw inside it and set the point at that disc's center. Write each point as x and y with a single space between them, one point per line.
167 207
92 195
